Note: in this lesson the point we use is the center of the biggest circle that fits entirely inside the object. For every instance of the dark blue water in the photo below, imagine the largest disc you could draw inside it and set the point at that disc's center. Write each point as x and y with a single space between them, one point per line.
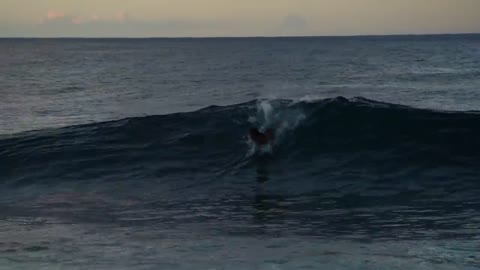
133 154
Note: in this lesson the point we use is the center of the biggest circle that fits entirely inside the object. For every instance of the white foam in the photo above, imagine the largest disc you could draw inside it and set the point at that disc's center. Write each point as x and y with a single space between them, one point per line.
311 98
278 116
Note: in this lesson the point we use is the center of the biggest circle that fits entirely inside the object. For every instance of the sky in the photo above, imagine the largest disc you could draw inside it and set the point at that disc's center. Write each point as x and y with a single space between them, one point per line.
218 18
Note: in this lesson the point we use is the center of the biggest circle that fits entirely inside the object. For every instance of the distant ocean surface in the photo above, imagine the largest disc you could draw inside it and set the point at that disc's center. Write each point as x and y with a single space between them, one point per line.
133 153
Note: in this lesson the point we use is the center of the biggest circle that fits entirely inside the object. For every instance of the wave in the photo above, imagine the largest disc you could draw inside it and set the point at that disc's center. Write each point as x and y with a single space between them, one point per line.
334 139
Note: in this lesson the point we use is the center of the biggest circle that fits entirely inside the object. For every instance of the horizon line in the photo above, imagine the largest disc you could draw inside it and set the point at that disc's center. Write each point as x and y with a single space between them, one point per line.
246 37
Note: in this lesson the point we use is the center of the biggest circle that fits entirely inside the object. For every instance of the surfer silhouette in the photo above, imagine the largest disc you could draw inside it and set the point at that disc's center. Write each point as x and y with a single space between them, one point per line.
262 138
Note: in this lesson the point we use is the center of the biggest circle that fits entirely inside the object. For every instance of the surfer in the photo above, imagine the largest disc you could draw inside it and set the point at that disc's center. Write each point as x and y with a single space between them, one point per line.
262 138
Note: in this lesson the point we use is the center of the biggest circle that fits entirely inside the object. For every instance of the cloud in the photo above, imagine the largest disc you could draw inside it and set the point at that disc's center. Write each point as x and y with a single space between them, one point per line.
52 15
121 16
57 17
121 25
78 20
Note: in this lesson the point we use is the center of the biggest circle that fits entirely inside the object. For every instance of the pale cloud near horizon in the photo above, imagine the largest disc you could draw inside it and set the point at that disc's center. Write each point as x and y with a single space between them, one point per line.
54 15
236 18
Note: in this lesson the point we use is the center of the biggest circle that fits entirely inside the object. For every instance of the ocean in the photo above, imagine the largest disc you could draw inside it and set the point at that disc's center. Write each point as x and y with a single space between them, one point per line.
134 153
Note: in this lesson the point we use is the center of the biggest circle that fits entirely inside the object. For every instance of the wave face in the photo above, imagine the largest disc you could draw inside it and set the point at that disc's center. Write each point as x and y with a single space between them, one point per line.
357 141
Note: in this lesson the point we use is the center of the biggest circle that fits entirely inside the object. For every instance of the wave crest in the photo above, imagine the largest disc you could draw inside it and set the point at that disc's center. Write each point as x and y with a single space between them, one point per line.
313 136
